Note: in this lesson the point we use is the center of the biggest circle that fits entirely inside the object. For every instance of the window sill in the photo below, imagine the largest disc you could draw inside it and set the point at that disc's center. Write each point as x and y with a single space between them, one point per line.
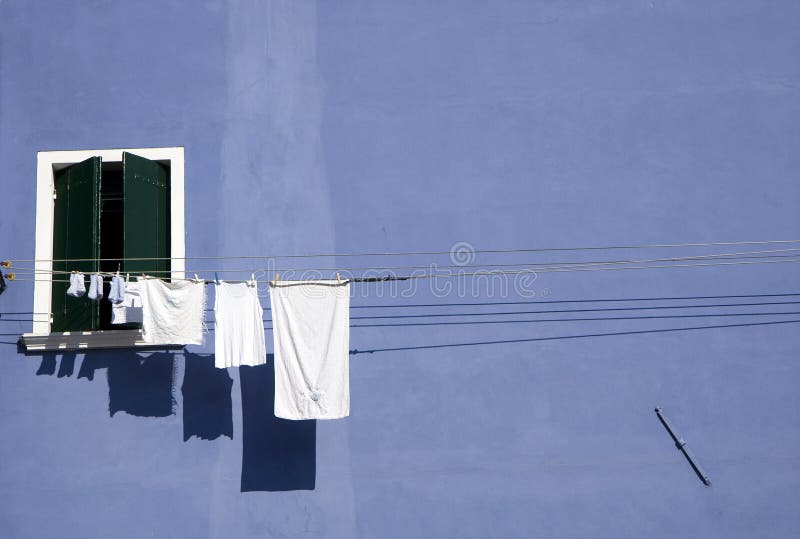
88 340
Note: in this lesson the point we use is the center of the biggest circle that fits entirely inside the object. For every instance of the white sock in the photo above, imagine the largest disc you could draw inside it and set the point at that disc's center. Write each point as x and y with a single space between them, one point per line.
95 287
117 292
76 286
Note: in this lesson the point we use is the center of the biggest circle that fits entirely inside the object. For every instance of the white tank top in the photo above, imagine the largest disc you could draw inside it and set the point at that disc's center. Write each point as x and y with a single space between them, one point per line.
239 326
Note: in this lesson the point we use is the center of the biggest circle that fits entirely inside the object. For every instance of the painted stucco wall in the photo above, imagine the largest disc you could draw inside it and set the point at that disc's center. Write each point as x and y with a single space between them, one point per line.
410 126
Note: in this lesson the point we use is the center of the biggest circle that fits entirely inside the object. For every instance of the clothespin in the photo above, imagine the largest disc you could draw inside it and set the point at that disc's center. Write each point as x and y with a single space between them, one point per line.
118 268
196 278
338 278
253 278
277 276
216 277
5 263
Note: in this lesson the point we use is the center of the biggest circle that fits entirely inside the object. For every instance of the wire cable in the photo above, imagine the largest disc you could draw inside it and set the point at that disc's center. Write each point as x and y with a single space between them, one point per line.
532 266
425 253
530 271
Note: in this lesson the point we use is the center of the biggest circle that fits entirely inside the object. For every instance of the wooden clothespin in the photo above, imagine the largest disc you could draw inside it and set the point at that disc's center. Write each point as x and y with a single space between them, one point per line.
338 278
253 278
196 278
275 282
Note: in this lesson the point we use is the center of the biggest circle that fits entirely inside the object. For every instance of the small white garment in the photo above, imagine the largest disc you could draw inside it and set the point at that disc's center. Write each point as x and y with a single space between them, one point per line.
130 308
311 328
172 313
77 287
95 287
117 290
239 332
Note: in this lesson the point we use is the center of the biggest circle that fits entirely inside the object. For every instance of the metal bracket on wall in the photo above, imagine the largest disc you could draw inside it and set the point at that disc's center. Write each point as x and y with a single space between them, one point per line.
681 445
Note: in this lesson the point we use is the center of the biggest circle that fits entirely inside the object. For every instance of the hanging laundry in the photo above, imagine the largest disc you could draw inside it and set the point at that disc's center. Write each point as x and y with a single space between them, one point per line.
311 328
130 308
239 325
172 313
95 287
117 292
77 288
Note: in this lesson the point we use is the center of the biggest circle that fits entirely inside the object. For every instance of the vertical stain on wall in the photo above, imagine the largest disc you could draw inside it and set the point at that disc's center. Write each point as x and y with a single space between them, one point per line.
274 195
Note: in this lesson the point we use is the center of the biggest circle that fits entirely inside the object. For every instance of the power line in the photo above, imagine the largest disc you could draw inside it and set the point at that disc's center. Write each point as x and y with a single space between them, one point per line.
531 270
426 253
549 311
514 313
563 337
537 302
736 255
549 320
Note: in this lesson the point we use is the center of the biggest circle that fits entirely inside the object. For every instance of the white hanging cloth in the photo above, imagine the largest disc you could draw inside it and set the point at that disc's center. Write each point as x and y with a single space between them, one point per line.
172 313
239 325
311 329
130 308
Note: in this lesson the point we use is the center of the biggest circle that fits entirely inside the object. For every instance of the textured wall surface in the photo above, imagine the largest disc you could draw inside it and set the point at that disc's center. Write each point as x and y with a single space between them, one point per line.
410 126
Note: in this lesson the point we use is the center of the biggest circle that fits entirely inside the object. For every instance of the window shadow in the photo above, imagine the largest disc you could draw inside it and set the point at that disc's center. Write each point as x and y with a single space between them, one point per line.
277 454
207 408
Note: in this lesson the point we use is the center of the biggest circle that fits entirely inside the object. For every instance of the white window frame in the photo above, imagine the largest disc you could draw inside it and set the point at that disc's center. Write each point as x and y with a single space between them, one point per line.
47 164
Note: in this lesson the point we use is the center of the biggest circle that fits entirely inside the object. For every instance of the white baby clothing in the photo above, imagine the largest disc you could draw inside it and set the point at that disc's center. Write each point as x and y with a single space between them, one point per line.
172 313
77 288
130 308
239 326
95 287
311 329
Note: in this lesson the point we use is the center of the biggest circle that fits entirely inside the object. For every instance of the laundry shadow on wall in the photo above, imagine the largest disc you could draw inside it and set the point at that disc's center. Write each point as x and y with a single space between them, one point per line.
48 365
277 454
207 408
140 386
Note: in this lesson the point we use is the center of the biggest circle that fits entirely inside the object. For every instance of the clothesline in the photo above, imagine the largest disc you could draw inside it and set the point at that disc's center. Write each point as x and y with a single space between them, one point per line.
456 250
531 302
735 255
545 311
529 270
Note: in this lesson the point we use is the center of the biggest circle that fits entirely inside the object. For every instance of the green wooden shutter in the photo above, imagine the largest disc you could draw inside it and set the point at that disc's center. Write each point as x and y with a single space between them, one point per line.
146 216
76 235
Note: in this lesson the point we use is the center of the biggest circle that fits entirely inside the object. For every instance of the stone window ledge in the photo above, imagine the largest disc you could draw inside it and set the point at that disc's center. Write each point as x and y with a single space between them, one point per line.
88 340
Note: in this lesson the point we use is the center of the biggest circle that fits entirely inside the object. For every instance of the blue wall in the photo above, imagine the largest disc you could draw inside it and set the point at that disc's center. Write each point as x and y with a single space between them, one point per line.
406 126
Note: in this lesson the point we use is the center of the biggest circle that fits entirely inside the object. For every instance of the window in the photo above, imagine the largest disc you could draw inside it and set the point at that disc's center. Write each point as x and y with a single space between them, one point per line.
102 210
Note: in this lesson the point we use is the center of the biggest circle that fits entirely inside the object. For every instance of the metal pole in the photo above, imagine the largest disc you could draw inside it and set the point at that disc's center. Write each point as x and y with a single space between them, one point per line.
681 444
